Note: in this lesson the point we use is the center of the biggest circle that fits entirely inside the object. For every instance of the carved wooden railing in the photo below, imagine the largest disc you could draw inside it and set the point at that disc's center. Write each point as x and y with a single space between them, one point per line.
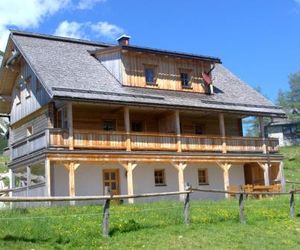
111 140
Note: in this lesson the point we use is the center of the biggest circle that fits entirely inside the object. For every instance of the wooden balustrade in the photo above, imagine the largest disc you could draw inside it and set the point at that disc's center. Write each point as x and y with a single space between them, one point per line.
96 139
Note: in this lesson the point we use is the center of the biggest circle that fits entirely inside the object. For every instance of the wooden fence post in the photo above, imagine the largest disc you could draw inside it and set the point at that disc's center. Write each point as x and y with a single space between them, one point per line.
292 205
186 209
105 220
242 207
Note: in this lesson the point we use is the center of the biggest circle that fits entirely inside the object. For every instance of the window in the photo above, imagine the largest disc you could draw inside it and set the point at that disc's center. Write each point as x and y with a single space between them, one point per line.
137 126
150 75
29 131
61 118
28 87
159 177
38 86
185 79
18 95
109 125
202 176
198 129
37 172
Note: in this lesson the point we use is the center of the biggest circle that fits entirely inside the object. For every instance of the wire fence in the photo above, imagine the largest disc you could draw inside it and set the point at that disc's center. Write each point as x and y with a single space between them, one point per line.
173 212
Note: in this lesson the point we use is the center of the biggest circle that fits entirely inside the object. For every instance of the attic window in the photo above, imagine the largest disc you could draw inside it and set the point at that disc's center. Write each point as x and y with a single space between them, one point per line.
18 95
150 75
38 86
185 78
28 87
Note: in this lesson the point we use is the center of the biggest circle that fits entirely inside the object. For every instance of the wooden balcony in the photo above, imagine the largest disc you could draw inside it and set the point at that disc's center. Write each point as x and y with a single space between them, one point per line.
110 140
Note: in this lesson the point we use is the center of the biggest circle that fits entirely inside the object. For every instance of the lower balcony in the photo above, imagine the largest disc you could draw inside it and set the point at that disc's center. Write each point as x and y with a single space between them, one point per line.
109 140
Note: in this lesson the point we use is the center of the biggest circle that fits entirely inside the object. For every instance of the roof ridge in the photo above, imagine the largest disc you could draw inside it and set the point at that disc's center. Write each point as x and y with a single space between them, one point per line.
59 38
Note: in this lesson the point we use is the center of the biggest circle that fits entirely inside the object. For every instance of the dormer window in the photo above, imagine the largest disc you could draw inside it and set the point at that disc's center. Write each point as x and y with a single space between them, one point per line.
185 78
150 75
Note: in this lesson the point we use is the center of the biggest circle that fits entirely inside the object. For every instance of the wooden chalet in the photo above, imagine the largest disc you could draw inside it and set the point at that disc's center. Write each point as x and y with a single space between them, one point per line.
85 115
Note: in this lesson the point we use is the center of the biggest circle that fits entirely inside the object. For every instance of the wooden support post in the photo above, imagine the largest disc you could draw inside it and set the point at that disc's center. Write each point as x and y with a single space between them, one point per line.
11 181
72 166
129 166
105 219
127 128
292 204
70 125
265 168
225 167
282 178
222 132
28 179
178 132
186 209
262 134
242 208
48 177
180 167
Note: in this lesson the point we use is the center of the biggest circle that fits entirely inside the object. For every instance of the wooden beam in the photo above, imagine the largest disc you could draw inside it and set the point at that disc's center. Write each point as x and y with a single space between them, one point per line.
180 166
262 133
225 167
72 166
48 176
266 169
127 128
178 132
222 132
129 166
70 125
282 177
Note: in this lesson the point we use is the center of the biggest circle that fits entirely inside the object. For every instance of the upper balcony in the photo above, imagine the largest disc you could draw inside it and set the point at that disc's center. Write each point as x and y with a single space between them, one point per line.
131 129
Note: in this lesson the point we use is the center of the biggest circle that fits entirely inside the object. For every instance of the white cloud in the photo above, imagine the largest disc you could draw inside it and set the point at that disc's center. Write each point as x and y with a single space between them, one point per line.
84 30
70 29
88 4
25 14
107 30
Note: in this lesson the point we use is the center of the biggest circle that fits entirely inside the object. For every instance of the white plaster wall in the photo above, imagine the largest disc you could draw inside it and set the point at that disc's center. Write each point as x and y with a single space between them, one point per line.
143 178
60 181
88 179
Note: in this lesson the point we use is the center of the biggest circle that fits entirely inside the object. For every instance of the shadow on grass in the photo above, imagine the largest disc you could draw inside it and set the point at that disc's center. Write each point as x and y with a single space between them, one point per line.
130 226
11 238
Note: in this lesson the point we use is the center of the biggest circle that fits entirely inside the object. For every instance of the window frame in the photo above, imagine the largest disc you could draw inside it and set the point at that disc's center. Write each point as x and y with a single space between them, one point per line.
154 69
205 182
163 178
188 72
113 122
28 86
137 121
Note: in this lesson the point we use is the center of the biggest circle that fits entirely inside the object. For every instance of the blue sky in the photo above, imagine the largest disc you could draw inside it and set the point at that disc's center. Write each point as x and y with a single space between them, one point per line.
259 40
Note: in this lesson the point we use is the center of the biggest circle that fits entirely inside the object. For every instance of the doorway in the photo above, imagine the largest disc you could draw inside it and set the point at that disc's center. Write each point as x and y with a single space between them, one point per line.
111 179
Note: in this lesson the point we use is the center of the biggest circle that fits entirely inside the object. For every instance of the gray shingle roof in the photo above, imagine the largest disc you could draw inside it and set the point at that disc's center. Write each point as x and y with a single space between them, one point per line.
67 70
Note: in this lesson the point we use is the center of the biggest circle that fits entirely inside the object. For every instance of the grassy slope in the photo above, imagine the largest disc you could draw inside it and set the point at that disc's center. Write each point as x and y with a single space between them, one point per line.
214 225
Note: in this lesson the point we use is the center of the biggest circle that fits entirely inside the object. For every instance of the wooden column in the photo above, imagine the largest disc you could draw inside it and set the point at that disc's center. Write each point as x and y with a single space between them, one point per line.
225 167
129 166
222 132
265 167
48 177
262 134
282 178
180 166
11 181
72 166
70 125
127 128
178 132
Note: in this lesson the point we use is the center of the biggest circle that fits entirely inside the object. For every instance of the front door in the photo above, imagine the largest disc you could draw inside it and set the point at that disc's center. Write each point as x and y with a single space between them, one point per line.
111 180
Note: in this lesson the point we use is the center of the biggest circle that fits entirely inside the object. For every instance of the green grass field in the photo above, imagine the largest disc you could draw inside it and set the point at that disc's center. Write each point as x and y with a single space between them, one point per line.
214 225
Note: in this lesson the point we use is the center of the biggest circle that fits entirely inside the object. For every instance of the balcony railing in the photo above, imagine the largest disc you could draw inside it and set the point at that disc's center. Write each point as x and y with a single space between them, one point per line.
110 140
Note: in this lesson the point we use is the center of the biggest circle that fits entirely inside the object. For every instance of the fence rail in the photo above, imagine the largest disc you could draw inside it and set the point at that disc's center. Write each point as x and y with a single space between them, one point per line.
186 201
